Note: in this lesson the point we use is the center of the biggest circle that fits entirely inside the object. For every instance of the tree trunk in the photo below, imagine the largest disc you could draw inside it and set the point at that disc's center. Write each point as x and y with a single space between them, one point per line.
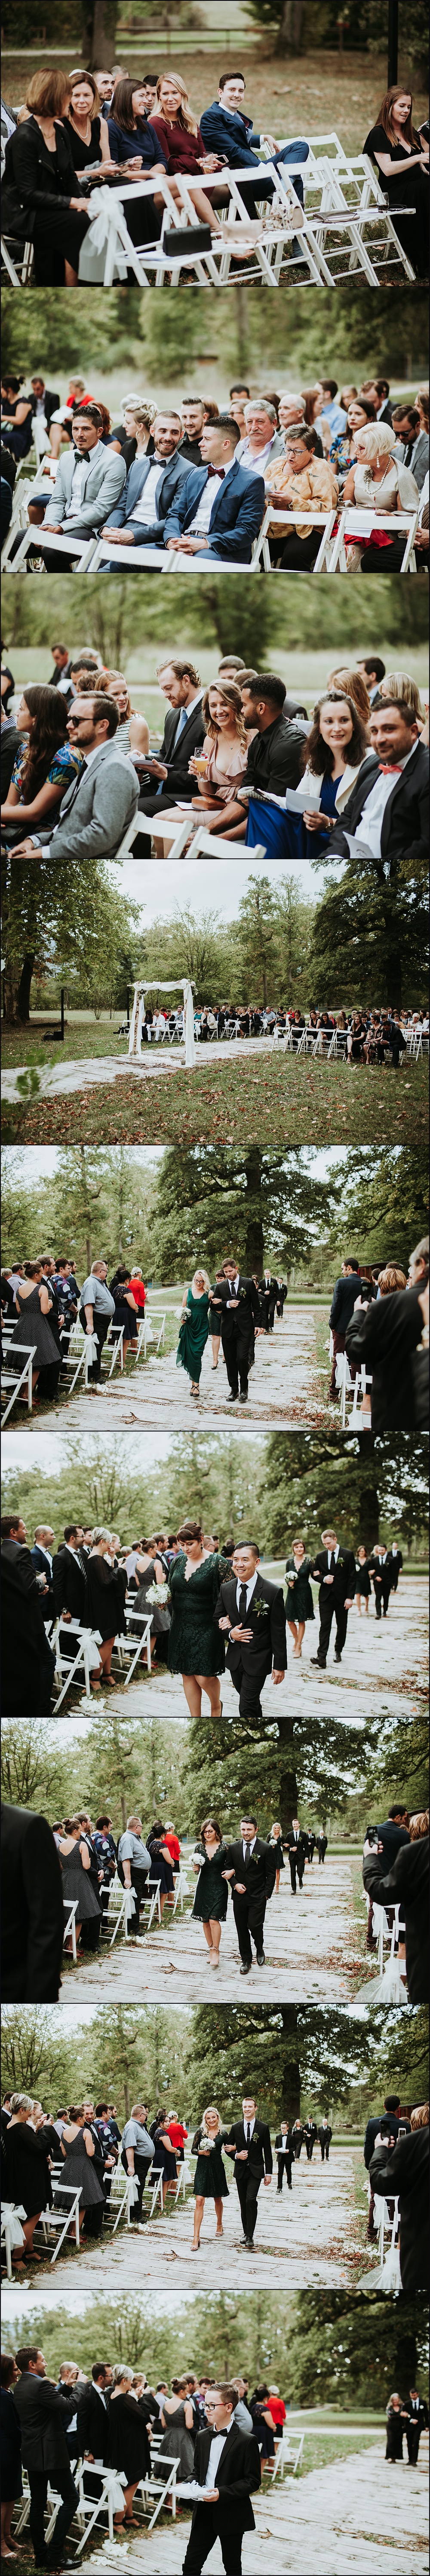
87 1217
288 1794
291 2065
254 1237
101 25
126 2086
369 1515
290 27
24 987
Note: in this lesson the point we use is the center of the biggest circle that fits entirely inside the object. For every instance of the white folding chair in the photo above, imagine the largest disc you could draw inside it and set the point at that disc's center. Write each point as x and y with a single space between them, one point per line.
83 1663
184 2177
18 263
207 845
11 2212
282 523
129 836
70 1910
162 2484
395 524
89 2509
54 2219
9 1378
288 2455
144 1640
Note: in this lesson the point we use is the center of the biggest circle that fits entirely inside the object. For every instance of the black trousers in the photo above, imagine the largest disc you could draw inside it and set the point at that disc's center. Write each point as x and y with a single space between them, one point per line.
300 553
329 1609
38 2484
250 1684
284 2165
101 1328
309 2144
46 1677
382 1595
237 1351
248 2185
142 2168
325 2149
297 1863
413 2430
249 1912
206 2528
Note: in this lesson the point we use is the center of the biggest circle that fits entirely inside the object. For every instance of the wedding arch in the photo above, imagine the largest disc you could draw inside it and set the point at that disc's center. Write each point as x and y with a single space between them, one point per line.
182 985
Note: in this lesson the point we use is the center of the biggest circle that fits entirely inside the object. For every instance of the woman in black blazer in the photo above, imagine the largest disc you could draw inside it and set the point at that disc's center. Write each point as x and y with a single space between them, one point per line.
39 197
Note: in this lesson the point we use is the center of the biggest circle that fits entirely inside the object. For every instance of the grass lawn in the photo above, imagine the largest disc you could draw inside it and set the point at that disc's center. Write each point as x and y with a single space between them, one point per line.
280 1098
308 95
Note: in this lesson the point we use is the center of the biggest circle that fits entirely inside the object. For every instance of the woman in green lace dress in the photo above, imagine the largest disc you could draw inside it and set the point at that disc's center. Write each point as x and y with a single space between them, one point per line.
211 1897
195 1647
299 1602
194 1329
210 2180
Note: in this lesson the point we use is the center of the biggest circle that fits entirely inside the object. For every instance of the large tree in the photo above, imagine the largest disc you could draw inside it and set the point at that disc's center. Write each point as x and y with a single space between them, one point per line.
213 1199
370 931
72 919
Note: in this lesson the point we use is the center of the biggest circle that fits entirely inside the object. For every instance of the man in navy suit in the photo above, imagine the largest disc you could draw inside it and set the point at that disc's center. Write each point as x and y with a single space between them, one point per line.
219 508
151 488
227 130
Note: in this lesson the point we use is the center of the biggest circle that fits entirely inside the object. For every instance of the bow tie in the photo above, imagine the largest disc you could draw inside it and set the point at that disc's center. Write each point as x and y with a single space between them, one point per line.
216 469
389 769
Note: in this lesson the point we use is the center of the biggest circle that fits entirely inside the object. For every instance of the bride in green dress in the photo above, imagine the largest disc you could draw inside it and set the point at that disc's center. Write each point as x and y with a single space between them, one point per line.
194 1328
195 1646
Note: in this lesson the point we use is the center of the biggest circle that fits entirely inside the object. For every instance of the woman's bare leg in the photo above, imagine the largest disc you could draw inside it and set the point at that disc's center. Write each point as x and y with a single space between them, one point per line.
106 1656
215 1929
198 2215
215 1339
70 274
292 1625
358 1603
207 1928
219 2227
209 1684
193 1694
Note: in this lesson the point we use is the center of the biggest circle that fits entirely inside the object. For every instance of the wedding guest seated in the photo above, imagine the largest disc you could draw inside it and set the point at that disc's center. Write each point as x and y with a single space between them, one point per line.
193 416
131 138
274 758
341 453
262 441
227 130
181 142
402 162
378 482
40 201
95 812
132 734
16 417
88 482
45 766
387 808
334 753
219 509
180 683
376 390
412 440
150 490
86 127
224 752
299 477
133 436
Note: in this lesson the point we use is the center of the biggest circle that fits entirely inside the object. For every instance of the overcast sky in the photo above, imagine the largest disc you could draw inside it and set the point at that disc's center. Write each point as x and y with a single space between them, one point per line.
165 886
49 1158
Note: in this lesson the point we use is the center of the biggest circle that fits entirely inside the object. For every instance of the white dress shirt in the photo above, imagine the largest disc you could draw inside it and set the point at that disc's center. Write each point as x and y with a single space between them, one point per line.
249 1846
234 1287
250 1588
248 2125
200 524
217 2446
373 811
145 508
79 471
332 1555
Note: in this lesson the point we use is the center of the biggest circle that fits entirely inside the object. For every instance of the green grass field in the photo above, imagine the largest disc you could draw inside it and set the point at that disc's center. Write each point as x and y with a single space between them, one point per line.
280 1098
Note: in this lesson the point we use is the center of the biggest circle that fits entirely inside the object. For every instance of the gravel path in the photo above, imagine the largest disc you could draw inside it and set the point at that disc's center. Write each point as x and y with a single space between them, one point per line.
283 1387
309 2234
313 1948
383 1660
75 1075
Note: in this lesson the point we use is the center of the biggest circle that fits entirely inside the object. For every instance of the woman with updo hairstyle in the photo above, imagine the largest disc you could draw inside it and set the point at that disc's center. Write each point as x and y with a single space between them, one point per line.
40 201
377 482
133 731
194 1328
397 685
196 1648
211 1896
33 1308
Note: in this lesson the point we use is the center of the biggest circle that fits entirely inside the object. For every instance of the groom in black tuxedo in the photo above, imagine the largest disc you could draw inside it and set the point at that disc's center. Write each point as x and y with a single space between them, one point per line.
249 2140
251 1865
239 1306
336 1570
251 1612
227 2468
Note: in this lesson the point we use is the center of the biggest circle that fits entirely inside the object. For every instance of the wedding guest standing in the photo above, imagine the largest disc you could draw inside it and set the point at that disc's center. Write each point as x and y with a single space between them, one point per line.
211 1896
284 2150
75 1857
223 2451
335 1570
214 1317
250 1864
194 1647
30 2142
299 1603
33 1307
362 1580
250 1612
106 1590
129 2443
77 2146
210 2181
194 1329
275 1838
249 2140
239 1319
11 2477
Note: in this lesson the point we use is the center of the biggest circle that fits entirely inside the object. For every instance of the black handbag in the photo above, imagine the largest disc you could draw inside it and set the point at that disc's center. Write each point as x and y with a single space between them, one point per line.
193 237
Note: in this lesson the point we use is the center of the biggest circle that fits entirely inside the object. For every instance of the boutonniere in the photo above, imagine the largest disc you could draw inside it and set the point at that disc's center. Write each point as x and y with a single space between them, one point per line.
259 1608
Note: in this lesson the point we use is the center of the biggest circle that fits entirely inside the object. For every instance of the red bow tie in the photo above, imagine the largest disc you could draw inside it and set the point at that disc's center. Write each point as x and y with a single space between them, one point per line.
216 469
389 769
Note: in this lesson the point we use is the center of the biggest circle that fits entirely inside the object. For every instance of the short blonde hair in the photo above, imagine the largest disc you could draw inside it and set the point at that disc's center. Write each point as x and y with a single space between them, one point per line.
391 1278
210 2113
201 1274
398 685
419 1825
377 440
420 2117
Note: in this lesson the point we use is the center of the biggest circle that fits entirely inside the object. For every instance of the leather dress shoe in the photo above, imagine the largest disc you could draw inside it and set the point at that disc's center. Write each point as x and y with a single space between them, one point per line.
260 1958
316 1659
245 1966
233 1395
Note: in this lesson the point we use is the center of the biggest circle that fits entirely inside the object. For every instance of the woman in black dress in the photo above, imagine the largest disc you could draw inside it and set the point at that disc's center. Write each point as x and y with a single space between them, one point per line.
78 2150
210 2180
164 2159
196 1649
75 1860
397 2419
17 417
33 1308
214 1318
362 1578
106 1591
86 128
211 1897
125 1306
259 2408
402 161
275 1838
128 2440
161 1864
11 2478
30 2142
299 1603
40 202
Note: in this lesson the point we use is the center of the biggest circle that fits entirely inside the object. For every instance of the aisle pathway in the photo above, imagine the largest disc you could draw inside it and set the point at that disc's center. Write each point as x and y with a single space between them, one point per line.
156 1060
340 2520
383 1663
313 1946
283 1387
310 2235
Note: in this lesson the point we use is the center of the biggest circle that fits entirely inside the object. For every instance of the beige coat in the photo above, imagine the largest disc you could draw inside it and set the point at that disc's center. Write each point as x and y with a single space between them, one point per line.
317 484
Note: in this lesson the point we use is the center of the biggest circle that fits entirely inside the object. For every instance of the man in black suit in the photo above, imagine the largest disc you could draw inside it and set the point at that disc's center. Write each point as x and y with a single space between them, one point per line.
399 2169
377 391
44 400
269 1291
41 1558
380 1568
44 2453
346 1289
32 1909
275 756
396 1564
311 2133
184 733
284 2147
418 2413
92 2423
388 1337
325 2134
387 811
251 1865
227 2471
238 1301
249 2141
69 1581
336 1570
386 2124
406 1883
250 1611
23 1592
321 1849
296 1855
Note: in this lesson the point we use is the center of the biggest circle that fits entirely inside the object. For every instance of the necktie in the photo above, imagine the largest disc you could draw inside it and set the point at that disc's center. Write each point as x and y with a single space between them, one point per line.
242 1603
247 1856
248 2134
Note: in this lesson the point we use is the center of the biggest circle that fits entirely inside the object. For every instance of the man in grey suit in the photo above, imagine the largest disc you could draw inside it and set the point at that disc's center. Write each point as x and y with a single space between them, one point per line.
102 800
151 487
43 2415
89 480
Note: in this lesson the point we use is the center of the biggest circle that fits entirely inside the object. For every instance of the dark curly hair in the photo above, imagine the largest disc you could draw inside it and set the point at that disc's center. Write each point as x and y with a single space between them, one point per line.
47 732
316 753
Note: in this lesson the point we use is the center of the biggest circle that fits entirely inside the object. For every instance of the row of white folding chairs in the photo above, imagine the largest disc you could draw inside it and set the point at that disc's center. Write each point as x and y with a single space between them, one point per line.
26 1351
161 2483
357 1388
120 1908
323 229
83 1659
335 524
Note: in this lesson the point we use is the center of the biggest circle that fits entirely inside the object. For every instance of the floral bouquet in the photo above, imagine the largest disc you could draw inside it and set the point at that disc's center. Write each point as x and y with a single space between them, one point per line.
159 1596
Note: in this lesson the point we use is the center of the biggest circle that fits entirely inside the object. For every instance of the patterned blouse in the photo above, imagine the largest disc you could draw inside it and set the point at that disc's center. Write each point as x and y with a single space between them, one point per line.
65 766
